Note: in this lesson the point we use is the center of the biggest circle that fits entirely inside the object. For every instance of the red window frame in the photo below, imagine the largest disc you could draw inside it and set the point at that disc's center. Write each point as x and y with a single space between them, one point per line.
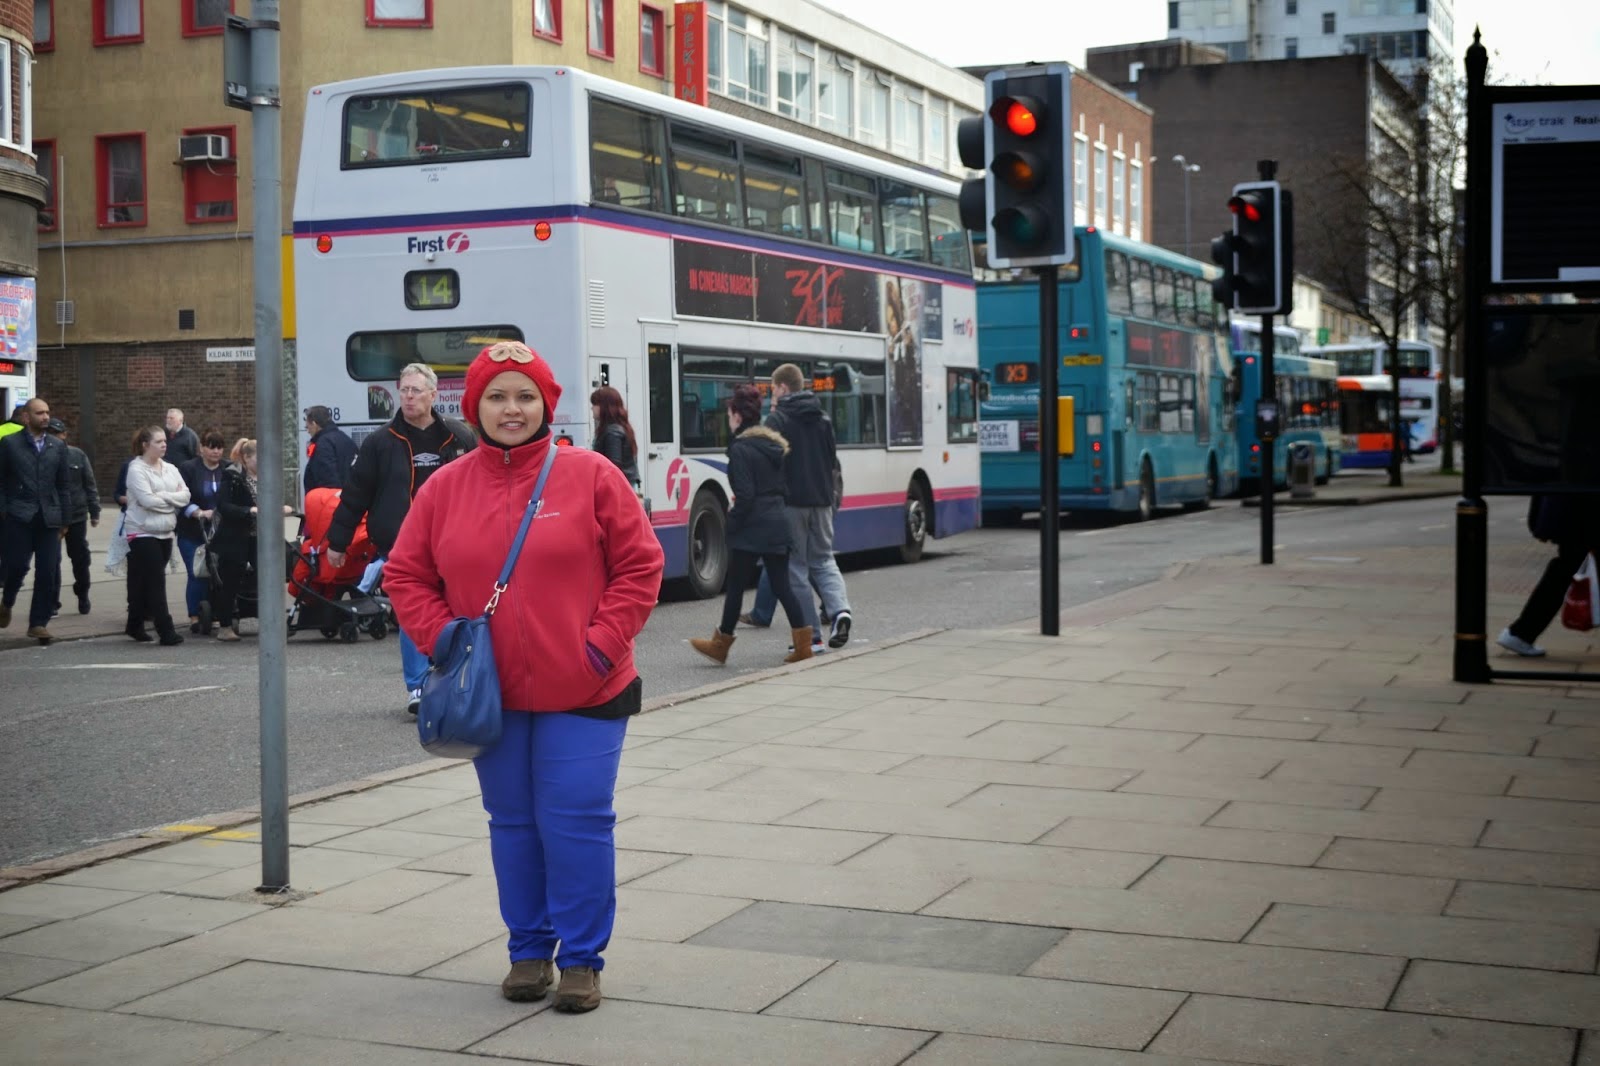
610 43
191 30
423 23
198 177
49 43
555 13
101 39
53 193
654 64
102 182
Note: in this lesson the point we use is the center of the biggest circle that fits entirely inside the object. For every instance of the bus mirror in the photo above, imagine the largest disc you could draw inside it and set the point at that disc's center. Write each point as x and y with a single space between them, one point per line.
983 389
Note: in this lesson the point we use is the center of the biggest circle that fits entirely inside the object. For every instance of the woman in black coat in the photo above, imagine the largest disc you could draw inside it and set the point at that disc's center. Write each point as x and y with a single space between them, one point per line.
234 542
758 530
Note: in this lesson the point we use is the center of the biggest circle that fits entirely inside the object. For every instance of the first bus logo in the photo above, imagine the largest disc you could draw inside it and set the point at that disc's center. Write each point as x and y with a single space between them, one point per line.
455 242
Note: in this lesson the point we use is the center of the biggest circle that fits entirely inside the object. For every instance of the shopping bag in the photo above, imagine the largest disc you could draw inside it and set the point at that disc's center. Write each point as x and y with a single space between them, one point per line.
117 551
1581 609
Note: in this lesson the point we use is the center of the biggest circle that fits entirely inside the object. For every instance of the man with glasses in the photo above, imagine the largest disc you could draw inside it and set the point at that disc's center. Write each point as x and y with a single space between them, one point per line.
391 465
34 497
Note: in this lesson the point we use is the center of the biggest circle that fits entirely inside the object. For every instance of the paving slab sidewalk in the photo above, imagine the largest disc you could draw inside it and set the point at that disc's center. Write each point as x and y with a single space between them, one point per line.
1236 816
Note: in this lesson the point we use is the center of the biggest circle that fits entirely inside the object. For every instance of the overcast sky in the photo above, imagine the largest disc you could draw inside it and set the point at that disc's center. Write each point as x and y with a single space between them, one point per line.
1546 41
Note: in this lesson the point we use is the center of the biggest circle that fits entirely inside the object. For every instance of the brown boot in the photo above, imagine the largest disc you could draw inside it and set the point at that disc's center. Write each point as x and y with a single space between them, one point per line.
802 645
528 981
715 649
579 990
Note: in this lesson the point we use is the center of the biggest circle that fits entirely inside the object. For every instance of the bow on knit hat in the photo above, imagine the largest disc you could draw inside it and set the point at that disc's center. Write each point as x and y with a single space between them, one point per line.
496 360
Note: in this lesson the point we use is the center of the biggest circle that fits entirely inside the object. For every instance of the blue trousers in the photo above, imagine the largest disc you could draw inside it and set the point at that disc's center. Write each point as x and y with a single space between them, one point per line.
197 588
413 663
549 786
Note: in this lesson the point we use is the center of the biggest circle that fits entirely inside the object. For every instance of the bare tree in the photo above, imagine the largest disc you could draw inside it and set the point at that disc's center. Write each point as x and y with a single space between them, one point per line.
1442 136
1378 198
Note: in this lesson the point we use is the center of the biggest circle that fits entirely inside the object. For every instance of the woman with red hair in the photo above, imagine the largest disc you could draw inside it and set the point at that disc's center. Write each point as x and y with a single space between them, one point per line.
563 636
613 433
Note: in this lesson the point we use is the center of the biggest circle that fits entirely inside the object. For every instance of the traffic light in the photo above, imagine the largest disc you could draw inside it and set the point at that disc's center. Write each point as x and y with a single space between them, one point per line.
1257 257
1023 204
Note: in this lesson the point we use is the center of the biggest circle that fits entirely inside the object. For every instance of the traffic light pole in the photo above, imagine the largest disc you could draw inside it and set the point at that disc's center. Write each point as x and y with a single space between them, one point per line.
1049 457
1269 444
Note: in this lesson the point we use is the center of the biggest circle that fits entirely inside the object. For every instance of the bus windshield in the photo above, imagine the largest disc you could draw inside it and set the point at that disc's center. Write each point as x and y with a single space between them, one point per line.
401 129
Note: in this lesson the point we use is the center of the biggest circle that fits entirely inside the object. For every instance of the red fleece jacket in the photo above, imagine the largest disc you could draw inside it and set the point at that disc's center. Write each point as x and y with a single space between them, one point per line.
590 570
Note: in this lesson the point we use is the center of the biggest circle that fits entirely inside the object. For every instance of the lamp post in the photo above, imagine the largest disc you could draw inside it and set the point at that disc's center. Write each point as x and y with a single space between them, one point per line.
1187 168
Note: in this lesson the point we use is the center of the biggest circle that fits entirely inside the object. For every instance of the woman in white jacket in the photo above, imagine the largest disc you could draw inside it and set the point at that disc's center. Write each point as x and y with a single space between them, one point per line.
156 494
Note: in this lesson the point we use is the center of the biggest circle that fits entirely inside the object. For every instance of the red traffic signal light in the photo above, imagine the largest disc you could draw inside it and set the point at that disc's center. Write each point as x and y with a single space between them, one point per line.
1019 113
1246 207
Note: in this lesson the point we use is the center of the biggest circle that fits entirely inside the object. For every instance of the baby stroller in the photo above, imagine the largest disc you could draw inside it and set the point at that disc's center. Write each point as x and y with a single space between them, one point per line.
247 601
327 599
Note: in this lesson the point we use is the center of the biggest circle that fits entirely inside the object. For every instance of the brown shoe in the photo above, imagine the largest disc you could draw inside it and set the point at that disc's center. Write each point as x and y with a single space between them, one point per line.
802 645
579 990
528 981
715 649
5 616
41 634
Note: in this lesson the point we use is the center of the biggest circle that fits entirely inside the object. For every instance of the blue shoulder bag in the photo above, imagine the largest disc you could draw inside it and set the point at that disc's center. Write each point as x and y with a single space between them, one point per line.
460 713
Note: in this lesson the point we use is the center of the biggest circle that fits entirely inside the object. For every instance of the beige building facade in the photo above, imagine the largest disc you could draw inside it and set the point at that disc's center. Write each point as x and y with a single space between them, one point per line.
147 217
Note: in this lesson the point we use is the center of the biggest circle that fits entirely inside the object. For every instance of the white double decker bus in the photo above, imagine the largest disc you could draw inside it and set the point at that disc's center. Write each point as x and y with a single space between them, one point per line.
662 248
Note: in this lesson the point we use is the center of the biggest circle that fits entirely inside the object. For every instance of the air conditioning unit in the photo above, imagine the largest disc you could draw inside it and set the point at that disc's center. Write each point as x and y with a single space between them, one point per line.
203 147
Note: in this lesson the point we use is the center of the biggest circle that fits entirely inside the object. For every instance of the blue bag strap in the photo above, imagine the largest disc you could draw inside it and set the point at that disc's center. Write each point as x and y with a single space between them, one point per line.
522 530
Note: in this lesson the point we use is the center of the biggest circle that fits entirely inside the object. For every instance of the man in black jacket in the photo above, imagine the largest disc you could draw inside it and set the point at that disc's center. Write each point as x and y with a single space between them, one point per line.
183 443
391 465
83 510
34 492
330 453
809 499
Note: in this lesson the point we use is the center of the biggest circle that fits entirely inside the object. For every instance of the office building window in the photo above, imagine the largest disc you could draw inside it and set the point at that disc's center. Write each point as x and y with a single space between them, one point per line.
874 109
907 134
204 18
746 49
118 21
400 14
6 109
1291 48
795 59
211 188
836 96
1080 175
601 42
652 41
119 180
547 19
1102 181
1172 14
1330 23
1119 173
45 163
1291 7
1136 201
44 25
938 132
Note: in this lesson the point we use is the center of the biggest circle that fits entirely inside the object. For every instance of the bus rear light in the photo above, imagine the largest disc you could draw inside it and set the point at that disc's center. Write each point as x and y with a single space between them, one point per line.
541 231
1094 446
1255 449
1079 333
324 244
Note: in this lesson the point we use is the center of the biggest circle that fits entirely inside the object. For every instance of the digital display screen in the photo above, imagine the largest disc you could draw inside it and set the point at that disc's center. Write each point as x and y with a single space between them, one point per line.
432 290
1016 373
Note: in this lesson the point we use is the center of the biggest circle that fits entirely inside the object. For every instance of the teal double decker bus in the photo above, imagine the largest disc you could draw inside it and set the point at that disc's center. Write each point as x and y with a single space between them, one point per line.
1147 383
1308 405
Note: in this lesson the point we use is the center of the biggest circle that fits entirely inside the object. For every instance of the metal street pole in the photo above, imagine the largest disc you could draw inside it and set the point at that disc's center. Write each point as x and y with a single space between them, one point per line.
1188 243
267 193
1049 457
1269 445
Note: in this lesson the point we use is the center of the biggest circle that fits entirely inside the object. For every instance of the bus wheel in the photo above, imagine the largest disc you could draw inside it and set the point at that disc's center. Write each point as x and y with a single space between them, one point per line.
708 546
918 519
1147 492
1211 490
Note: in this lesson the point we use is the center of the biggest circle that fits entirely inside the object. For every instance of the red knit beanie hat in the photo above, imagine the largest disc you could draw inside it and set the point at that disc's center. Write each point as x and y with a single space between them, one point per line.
496 360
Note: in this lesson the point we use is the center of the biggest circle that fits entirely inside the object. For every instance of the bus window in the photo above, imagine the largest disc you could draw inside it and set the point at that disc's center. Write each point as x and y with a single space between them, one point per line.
1143 286
1186 404
774 199
381 356
708 384
816 203
1118 299
852 396
961 406
438 125
1166 310
852 210
705 176
625 157
904 223
659 368
1148 402
948 245
1187 300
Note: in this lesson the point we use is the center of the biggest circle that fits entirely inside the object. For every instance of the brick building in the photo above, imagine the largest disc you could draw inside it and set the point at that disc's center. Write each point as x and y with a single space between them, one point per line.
149 173
21 197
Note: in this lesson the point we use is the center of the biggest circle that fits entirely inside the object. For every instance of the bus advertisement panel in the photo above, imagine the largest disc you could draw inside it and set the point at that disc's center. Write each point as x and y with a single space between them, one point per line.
667 251
1146 383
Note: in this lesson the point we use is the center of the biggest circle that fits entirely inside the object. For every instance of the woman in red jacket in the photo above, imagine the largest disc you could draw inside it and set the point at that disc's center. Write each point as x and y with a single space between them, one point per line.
582 589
